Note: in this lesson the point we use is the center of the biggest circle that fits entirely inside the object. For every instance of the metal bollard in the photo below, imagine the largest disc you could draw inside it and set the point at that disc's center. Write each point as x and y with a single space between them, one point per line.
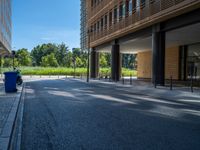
106 77
192 89
131 82
171 83
123 81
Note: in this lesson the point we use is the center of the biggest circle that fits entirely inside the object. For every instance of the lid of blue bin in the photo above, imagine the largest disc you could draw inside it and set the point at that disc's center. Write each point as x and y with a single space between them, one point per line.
10 72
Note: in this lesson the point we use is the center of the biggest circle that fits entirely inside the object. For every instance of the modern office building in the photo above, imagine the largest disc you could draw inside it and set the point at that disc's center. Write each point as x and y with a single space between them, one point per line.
5 27
165 35
83 37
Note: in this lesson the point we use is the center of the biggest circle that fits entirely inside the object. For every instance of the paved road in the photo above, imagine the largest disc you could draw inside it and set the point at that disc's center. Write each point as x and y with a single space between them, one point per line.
69 114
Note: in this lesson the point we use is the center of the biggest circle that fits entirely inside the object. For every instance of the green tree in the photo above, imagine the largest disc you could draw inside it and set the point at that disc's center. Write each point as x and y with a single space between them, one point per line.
40 51
103 62
49 61
81 54
79 62
23 57
7 62
83 57
61 54
68 59
108 59
76 52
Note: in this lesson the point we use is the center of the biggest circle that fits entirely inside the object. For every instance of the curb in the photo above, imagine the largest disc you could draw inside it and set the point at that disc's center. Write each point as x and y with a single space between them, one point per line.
15 143
7 133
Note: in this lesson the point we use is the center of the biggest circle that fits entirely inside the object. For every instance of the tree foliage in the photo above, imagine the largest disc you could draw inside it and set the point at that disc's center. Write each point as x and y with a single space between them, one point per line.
49 61
7 62
43 50
59 55
103 62
23 57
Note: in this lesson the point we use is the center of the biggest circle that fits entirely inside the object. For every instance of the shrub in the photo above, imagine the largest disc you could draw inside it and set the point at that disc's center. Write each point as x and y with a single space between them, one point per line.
67 71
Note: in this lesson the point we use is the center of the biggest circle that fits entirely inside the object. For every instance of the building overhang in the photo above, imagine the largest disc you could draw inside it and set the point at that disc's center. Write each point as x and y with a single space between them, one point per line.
3 50
186 35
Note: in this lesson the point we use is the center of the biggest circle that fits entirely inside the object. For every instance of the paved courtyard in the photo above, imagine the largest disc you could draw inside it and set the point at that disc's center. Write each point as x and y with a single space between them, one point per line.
8 108
71 114
6 103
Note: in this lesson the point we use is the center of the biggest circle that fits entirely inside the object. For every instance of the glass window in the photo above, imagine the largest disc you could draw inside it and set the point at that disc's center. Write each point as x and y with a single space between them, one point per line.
123 10
98 25
115 15
120 11
130 6
142 2
106 20
110 18
194 60
102 23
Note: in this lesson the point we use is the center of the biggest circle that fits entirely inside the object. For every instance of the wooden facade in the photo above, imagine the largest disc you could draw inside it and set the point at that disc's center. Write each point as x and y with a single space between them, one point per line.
106 26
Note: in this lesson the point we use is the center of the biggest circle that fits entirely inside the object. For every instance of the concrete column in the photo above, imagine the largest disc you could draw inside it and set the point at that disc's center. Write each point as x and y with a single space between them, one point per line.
158 56
94 64
116 62
183 53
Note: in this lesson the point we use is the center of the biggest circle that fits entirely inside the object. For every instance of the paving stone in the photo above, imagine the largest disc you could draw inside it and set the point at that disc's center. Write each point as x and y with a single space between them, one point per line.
8 108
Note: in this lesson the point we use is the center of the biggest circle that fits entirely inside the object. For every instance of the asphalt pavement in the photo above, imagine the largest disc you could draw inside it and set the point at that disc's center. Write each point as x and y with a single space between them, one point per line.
69 114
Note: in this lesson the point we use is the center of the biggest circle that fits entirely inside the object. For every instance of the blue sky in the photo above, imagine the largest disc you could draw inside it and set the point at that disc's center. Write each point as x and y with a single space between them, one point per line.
44 21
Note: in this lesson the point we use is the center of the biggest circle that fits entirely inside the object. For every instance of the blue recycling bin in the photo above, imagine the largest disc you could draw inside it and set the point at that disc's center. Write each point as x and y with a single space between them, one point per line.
10 82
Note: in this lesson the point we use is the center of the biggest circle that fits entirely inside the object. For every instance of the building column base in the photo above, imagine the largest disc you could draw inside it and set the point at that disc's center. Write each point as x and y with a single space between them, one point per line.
158 56
94 64
116 63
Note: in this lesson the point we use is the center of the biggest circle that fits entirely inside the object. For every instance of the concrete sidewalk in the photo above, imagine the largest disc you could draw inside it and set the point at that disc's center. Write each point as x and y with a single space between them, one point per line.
182 94
8 109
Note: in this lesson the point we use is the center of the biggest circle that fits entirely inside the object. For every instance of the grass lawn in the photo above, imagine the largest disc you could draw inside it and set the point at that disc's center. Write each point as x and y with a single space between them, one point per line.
66 71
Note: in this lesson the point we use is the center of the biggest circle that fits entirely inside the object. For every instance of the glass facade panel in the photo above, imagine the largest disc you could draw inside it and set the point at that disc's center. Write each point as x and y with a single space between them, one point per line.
130 6
5 24
190 62
123 10
83 36
193 61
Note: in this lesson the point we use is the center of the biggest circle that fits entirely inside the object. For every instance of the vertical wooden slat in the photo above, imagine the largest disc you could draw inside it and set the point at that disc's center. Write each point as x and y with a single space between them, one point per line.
149 8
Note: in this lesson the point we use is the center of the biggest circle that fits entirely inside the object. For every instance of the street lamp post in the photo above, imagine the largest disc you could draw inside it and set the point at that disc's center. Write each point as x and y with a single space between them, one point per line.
74 61
13 56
